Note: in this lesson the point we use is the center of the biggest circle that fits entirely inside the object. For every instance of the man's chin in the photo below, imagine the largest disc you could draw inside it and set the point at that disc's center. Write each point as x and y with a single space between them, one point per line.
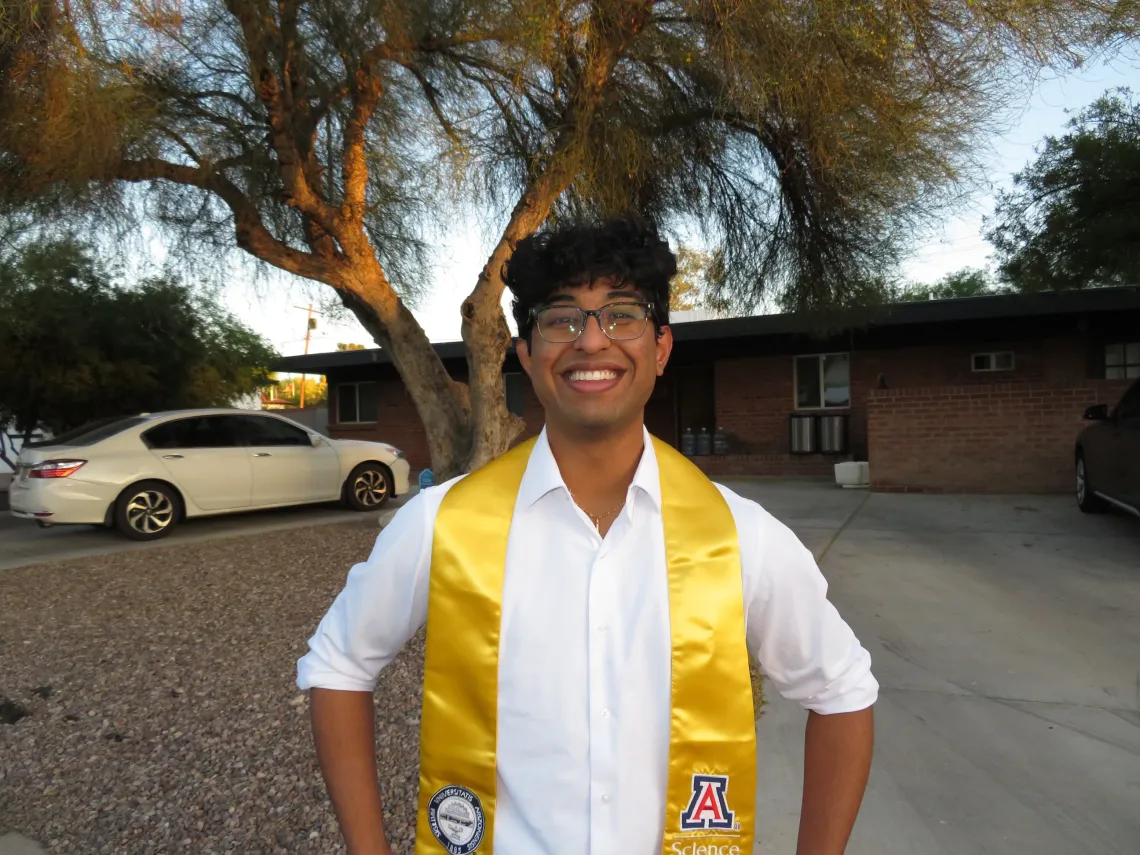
596 421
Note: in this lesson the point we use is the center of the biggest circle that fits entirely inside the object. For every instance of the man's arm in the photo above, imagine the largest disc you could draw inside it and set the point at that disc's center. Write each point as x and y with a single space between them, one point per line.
383 604
812 657
346 749
837 762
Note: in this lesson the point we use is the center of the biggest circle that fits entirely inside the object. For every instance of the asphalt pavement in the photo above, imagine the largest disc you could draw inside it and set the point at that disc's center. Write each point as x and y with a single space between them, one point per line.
22 542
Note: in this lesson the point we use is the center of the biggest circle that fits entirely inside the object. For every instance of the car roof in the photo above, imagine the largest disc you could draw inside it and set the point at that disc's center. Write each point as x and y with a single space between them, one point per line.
207 411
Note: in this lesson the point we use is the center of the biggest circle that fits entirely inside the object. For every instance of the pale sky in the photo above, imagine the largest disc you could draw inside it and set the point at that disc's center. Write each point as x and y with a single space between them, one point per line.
268 308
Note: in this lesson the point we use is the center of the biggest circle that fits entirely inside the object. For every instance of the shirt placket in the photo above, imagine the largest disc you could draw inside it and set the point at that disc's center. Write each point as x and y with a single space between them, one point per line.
603 653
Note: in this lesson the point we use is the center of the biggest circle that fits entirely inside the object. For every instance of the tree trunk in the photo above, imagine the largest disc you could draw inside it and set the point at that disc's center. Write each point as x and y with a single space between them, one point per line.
441 403
485 330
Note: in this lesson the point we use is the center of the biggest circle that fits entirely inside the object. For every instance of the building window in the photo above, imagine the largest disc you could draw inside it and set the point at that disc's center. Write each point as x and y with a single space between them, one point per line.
356 403
1001 360
513 386
1122 361
823 381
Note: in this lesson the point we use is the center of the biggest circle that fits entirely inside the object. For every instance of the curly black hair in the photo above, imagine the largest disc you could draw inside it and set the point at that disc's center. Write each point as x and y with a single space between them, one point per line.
628 249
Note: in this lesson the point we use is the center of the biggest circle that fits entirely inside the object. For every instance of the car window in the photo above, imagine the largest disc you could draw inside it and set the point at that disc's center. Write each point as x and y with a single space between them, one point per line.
194 432
91 433
264 430
1129 406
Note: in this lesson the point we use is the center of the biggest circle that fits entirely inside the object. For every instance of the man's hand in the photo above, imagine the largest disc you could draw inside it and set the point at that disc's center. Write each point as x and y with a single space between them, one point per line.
837 762
346 749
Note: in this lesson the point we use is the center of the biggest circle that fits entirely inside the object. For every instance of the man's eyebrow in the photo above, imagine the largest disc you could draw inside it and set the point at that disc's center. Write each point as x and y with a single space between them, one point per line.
624 294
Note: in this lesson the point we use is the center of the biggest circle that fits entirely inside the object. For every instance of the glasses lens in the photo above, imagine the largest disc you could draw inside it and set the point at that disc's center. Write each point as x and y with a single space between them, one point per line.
624 321
560 323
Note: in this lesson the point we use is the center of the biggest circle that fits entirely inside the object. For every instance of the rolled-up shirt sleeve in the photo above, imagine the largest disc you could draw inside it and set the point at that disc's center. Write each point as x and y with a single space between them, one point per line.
382 605
801 642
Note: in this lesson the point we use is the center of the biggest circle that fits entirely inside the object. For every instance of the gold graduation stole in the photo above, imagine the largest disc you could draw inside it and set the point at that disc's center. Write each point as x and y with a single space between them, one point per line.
712 741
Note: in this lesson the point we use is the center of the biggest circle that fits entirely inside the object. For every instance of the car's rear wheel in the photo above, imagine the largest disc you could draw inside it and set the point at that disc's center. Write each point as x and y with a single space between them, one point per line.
368 487
1087 500
147 510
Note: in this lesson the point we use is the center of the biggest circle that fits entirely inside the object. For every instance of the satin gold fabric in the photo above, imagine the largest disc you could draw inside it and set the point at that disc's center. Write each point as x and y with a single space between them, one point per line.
713 729
712 752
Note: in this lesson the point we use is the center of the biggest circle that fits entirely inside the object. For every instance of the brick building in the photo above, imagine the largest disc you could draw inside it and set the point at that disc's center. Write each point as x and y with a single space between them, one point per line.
982 394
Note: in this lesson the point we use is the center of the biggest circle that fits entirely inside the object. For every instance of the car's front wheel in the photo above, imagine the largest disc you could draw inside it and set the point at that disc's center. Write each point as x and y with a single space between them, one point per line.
147 510
1087 500
368 487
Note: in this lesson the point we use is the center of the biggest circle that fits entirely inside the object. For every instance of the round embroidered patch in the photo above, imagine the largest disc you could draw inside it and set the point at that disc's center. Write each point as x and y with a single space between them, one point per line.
455 816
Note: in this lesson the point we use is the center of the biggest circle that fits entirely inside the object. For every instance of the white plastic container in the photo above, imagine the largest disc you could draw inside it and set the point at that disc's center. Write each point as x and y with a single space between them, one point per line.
852 475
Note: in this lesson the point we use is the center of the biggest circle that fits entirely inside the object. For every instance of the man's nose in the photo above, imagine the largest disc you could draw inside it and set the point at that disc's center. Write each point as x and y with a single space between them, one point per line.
592 338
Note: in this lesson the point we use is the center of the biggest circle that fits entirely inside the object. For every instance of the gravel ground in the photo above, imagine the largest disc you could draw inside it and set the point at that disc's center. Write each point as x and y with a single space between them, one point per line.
162 713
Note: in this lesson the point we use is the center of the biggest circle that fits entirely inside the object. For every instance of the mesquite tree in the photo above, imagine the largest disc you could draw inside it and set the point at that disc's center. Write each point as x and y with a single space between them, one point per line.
319 136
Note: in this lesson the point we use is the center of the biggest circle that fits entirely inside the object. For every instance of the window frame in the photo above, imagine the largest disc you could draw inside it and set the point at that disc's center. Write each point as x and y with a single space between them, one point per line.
355 384
819 358
993 354
1125 364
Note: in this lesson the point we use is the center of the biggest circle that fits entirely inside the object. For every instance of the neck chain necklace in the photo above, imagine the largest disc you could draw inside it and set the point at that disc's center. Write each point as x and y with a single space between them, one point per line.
597 520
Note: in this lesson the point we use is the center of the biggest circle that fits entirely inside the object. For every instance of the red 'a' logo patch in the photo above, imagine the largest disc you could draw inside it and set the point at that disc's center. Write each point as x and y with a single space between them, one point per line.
708 806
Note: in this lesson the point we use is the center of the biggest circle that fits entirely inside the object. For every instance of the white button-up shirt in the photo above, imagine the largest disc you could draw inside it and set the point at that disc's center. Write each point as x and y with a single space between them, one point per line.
584 673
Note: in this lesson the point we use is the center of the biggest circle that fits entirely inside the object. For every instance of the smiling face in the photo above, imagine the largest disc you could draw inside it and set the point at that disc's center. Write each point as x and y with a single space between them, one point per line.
596 385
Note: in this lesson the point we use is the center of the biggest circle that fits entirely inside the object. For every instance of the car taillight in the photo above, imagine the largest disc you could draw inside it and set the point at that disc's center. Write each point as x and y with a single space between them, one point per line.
55 468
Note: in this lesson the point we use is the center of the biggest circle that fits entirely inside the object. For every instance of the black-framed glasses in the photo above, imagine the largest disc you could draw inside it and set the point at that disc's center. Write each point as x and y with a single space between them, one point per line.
619 321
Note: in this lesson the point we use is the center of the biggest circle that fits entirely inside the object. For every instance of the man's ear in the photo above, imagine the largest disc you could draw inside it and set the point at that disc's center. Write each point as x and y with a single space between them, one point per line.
522 349
664 348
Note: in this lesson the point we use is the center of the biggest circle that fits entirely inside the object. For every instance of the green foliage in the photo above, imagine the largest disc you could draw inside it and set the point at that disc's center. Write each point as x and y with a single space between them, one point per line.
967 282
688 287
1072 219
78 346
289 389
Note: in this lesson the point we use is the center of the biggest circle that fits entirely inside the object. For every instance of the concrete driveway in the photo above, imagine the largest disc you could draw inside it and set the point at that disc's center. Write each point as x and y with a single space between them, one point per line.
1005 632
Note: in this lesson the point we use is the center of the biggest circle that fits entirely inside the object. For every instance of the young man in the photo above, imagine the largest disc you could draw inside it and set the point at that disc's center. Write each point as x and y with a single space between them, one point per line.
591 602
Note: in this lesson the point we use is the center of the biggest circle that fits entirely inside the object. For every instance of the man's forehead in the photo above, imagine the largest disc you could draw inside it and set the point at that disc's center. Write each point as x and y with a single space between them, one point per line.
610 286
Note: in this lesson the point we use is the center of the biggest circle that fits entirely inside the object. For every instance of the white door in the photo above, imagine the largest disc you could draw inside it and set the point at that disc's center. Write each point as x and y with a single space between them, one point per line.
205 460
287 467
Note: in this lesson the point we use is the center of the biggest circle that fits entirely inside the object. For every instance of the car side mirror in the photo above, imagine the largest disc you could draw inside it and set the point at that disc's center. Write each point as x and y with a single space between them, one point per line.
1097 413
314 439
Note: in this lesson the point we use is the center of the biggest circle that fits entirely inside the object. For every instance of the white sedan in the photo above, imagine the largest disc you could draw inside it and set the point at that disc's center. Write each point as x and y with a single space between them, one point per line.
143 474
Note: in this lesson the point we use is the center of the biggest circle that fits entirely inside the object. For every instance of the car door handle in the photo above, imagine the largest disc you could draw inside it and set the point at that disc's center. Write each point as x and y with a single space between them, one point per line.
262 454
172 457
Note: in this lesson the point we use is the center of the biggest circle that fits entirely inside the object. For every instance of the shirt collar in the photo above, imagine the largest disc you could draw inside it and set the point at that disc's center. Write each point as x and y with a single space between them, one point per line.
542 475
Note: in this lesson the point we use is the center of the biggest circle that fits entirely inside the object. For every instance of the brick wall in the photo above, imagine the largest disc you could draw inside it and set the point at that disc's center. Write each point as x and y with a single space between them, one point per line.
937 426
769 465
399 424
985 438
755 398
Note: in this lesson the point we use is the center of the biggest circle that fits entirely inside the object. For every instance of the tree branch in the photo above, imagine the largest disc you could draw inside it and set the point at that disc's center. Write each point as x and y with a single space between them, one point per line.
283 130
366 92
251 233
432 96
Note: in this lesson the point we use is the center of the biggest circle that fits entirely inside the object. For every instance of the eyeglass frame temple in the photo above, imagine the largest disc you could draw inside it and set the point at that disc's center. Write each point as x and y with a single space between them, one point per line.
597 315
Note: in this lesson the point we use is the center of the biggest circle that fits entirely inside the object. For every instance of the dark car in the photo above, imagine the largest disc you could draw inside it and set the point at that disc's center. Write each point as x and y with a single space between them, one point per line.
1108 456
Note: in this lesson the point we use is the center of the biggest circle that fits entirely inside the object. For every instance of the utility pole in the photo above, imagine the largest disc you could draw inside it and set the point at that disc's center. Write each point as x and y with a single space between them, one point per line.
310 325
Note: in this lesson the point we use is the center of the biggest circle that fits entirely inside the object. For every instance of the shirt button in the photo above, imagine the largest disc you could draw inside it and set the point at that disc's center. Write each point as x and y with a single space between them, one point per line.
605 798
603 628
605 713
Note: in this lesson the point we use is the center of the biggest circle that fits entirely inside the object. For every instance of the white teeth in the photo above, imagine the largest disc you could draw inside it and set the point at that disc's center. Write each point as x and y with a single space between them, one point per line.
593 375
